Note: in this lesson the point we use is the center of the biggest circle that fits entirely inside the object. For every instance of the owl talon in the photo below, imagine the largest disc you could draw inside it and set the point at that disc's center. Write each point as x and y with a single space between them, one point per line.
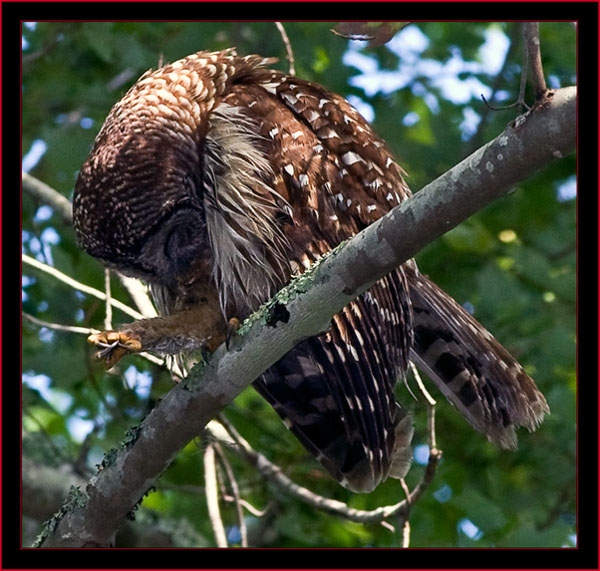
107 349
114 345
232 326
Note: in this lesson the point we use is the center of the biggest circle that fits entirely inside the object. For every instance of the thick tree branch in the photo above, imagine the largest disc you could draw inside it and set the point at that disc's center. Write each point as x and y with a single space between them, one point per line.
91 517
45 487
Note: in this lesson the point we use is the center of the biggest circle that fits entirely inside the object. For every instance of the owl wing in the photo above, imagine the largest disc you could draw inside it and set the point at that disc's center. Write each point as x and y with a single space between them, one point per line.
336 391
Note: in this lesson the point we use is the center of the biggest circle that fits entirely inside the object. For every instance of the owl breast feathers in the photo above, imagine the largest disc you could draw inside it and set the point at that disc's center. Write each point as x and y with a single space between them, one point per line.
216 179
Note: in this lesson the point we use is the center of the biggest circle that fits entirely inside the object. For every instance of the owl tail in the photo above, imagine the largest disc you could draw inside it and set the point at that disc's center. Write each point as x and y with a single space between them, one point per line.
475 373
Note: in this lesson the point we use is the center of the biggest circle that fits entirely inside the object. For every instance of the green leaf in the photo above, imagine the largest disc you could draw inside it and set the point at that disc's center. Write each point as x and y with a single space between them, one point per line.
471 236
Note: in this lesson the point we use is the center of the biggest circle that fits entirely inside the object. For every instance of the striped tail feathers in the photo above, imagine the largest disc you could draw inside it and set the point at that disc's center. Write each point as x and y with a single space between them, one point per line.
475 372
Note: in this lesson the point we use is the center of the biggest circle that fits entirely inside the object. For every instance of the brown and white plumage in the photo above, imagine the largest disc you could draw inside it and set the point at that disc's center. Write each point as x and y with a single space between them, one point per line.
216 180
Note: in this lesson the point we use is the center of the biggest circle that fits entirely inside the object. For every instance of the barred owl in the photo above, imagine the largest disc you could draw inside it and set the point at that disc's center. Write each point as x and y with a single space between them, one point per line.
216 179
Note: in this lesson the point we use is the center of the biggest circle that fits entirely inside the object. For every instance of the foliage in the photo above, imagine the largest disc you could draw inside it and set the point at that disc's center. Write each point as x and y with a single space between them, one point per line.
514 263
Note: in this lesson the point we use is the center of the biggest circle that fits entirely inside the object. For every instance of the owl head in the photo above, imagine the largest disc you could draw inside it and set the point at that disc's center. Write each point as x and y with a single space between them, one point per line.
138 202
179 173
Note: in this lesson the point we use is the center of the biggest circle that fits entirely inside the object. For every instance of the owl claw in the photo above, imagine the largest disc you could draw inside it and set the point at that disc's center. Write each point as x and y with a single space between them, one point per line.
114 345
232 326
107 349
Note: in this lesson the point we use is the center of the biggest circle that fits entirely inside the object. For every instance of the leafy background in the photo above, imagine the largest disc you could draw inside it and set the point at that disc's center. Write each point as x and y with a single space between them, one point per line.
513 265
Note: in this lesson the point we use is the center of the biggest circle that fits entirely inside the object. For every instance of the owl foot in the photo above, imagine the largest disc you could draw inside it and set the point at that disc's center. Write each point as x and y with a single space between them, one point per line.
232 326
114 345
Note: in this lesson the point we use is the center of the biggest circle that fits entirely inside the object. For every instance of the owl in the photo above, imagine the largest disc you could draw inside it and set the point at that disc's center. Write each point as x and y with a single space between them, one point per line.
215 180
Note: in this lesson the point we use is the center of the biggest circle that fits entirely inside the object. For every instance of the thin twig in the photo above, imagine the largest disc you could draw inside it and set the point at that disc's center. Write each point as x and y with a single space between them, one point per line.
431 427
139 294
476 140
520 101
235 490
212 496
246 505
274 474
523 80
108 312
430 400
353 37
435 456
58 326
404 516
192 489
48 195
532 61
406 533
84 331
288 48
405 489
78 285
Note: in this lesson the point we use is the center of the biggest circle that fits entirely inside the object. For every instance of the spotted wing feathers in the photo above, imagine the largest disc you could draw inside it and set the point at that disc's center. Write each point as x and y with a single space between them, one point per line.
335 391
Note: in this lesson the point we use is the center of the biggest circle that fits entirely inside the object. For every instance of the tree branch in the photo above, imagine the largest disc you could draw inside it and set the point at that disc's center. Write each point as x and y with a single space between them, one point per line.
274 474
91 517
58 326
78 285
235 491
531 37
47 195
288 48
212 495
520 101
83 331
